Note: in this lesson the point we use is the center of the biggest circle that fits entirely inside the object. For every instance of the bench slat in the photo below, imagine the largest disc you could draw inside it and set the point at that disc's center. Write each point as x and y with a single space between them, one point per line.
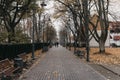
6 68
23 56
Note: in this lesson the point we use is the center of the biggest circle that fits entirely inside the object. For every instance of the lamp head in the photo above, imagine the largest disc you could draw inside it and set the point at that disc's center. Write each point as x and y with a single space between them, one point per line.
43 4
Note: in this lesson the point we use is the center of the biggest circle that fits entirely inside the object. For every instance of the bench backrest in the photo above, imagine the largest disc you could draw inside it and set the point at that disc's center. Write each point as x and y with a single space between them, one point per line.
5 64
23 56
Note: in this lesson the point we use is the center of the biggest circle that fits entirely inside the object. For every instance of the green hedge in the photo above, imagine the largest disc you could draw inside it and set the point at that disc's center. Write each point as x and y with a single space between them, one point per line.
11 50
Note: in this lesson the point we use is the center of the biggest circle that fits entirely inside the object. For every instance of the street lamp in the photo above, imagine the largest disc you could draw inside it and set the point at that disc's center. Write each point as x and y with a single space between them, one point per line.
42 5
33 40
86 20
48 28
69 27
85 8
43 24
34 23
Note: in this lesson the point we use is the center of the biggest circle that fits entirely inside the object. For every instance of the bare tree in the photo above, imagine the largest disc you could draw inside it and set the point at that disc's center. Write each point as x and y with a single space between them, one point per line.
13 12
101 7
81 11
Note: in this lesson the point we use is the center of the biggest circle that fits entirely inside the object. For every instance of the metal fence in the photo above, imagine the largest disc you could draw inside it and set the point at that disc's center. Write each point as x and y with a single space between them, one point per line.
11 50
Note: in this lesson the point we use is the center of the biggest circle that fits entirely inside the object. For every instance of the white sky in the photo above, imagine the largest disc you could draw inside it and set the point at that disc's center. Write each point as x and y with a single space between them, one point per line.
114 8
50 10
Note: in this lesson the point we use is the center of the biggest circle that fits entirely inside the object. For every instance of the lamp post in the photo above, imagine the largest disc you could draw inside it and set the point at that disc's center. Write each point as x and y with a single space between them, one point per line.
85 5
42 5
43 24
33 40
48 30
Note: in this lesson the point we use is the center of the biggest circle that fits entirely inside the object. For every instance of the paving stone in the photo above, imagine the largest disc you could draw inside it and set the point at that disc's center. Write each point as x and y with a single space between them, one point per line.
114 68
61 64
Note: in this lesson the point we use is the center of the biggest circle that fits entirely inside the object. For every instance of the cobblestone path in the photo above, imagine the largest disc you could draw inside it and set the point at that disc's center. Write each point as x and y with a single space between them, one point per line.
61 64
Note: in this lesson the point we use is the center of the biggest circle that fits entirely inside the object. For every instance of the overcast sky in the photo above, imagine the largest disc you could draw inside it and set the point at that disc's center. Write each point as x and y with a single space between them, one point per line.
114 9
50 10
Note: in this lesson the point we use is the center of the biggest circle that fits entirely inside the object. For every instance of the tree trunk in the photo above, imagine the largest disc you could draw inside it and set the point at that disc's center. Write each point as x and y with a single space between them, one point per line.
11 35
101 46
75 44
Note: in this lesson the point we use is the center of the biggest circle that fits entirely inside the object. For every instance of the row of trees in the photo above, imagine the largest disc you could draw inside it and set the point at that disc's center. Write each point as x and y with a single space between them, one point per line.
79 12
16 21
12 12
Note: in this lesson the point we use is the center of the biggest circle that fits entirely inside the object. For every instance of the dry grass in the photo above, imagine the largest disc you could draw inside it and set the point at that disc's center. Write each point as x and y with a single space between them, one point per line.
111 56
36 54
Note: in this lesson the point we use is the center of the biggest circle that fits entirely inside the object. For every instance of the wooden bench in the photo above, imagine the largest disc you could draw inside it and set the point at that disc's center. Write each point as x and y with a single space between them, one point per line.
80 53
7 69
45 49
23 56
26 59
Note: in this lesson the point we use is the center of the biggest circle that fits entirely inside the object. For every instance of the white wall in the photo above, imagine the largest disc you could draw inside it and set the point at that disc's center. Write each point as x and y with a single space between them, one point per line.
93 43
